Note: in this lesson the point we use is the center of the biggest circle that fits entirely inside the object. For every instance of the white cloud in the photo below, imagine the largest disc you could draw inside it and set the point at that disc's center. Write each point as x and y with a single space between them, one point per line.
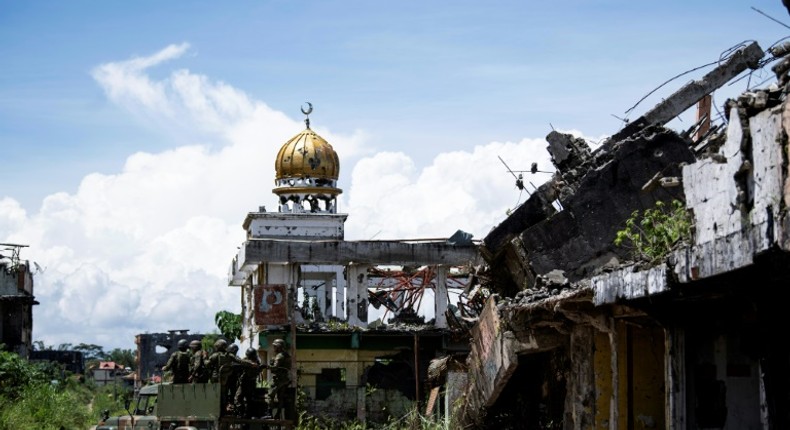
126 83
471 191
146 249
12 216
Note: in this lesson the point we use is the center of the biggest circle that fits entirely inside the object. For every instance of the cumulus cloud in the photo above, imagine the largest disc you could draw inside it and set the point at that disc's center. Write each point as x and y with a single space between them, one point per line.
470 191
125 82
146 249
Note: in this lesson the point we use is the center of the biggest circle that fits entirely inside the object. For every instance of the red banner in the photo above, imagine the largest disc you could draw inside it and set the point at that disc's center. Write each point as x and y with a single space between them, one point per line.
270 303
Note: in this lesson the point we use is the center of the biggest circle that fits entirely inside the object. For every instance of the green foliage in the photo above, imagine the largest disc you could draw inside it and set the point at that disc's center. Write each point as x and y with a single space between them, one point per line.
335 325
111 398
411 421
229 324
40 396
124 357
17 373
207 343
653 234
309 422
45 406
91 351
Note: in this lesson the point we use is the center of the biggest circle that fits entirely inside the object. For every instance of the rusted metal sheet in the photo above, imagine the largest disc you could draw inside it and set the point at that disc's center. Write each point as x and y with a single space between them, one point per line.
271 304
432 400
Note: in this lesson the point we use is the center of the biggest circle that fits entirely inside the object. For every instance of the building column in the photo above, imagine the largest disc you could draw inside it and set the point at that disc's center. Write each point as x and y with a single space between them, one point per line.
339 284
357 294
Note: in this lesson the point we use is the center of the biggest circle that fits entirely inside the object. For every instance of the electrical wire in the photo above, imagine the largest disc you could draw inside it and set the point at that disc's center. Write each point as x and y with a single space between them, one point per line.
725 55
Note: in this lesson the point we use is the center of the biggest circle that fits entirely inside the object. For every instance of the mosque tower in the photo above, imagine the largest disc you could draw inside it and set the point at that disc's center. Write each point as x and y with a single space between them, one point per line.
306 173
307 168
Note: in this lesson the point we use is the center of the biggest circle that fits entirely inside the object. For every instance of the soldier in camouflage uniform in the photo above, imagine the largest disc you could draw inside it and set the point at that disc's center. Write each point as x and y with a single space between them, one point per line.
280 390
197 366
235 372
178 363
234 349
219 365
218 360
250 369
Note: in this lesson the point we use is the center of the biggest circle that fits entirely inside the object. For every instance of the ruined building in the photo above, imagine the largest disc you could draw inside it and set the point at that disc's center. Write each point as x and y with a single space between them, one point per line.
154 349
299 280
579 333
16 300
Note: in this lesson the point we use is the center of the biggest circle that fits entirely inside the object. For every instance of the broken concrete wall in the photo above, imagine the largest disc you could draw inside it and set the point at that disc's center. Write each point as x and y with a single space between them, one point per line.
154 349
502 339
736 197
579 239
490 363
361 403
596 196
16 307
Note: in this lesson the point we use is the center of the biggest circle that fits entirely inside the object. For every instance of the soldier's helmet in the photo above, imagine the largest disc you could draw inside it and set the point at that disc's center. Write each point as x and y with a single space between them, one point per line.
251 353
278 342
220 345
182 345
195 344
233 349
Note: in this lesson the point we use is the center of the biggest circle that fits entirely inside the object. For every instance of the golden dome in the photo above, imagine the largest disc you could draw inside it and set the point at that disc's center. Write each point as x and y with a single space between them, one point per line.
307 155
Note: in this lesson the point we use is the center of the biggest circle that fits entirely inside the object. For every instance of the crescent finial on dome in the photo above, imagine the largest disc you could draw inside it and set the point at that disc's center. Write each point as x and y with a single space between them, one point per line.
307 113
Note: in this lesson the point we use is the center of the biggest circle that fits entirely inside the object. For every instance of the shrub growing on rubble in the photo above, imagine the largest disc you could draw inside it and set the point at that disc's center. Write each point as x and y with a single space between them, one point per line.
654 233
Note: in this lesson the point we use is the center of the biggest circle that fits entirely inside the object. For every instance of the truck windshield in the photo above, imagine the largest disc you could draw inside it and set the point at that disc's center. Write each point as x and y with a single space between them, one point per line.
146 404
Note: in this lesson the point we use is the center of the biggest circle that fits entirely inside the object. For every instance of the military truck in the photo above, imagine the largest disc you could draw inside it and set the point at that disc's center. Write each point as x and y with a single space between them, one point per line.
187 407
142 416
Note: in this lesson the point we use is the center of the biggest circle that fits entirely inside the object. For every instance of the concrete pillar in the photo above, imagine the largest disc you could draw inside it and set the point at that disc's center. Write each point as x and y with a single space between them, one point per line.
361 410
440 301
340 288
357 294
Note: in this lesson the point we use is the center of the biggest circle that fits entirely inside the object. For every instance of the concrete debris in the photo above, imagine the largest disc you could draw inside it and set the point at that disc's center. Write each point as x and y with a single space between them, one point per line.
567 151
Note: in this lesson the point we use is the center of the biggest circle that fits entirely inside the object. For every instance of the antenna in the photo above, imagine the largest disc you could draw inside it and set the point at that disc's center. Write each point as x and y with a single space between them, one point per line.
519 178
15 249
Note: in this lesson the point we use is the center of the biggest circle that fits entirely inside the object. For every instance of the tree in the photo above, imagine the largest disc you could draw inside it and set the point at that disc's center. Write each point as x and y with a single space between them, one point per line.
208 342
16 374
124 357
229 324
38 345
91 351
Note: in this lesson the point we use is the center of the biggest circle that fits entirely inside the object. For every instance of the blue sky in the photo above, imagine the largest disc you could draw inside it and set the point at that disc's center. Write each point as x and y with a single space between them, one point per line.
106 162
424 77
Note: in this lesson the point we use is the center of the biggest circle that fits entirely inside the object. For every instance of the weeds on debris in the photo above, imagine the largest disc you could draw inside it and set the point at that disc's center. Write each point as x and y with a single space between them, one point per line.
654 233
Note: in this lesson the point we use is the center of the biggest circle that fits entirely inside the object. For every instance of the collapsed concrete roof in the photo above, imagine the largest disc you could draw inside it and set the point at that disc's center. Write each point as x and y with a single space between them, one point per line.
569 224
